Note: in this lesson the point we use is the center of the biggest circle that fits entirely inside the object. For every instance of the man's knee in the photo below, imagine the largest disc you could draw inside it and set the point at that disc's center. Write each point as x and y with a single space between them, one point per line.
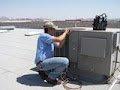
65 61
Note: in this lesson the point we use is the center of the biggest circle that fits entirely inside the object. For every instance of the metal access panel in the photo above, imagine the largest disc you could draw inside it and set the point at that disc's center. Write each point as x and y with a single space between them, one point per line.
94 47
98 52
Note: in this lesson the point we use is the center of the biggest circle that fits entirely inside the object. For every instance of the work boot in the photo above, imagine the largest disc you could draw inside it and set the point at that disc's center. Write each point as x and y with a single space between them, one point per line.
43 75
53 81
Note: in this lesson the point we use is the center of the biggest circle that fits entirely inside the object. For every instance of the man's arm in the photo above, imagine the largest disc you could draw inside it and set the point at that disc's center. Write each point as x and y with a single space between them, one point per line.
59 44
59 41
62 37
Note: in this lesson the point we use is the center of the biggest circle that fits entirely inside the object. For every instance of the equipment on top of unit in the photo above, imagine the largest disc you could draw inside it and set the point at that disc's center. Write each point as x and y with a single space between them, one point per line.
100 22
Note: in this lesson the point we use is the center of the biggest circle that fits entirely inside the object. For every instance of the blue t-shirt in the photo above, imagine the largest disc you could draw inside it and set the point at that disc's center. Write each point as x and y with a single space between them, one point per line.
45 47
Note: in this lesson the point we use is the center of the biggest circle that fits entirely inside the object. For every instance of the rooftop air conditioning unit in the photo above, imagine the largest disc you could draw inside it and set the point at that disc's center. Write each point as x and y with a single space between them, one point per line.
92 53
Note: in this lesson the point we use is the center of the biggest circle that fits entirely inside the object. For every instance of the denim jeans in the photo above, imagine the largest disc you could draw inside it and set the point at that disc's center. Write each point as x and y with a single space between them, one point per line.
55 65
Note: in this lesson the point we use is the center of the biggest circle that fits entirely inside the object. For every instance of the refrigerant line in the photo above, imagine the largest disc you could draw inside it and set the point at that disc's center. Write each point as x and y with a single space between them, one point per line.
114 82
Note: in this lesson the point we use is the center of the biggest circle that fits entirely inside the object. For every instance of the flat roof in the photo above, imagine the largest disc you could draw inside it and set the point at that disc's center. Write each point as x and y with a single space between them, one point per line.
17 53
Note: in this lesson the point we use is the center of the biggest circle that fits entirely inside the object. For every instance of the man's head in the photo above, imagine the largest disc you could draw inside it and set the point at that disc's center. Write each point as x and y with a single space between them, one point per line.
50 28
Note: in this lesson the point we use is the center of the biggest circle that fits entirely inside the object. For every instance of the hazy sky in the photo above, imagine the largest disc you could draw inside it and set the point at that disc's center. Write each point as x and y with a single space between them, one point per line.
59 9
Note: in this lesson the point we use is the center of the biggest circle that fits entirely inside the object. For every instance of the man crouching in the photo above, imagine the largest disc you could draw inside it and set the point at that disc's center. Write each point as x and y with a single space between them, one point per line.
51 68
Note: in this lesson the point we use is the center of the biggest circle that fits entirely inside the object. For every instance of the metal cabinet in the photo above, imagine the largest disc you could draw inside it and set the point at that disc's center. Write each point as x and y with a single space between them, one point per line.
93 51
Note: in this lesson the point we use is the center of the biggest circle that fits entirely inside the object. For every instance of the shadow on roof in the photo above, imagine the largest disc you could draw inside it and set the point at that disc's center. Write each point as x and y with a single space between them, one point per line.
32 80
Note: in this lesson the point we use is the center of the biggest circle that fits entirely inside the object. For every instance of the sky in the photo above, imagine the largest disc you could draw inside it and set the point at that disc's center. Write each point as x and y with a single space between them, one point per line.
59 9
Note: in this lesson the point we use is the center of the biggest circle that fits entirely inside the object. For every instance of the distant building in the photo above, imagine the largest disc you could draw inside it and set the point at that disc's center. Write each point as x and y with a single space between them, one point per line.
74 20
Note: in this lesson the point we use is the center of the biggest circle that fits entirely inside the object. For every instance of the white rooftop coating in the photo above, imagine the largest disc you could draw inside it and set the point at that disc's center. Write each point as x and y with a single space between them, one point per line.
114 30
107 30
17 53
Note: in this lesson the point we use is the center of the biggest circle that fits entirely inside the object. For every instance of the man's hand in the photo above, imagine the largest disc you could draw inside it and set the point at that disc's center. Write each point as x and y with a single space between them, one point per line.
67 31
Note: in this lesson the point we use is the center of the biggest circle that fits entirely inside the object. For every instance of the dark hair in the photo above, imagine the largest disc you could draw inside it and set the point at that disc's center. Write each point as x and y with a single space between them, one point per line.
46 30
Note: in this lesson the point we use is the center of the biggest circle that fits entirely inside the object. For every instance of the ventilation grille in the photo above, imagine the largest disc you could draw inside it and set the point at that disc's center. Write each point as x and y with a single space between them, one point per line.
64 50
